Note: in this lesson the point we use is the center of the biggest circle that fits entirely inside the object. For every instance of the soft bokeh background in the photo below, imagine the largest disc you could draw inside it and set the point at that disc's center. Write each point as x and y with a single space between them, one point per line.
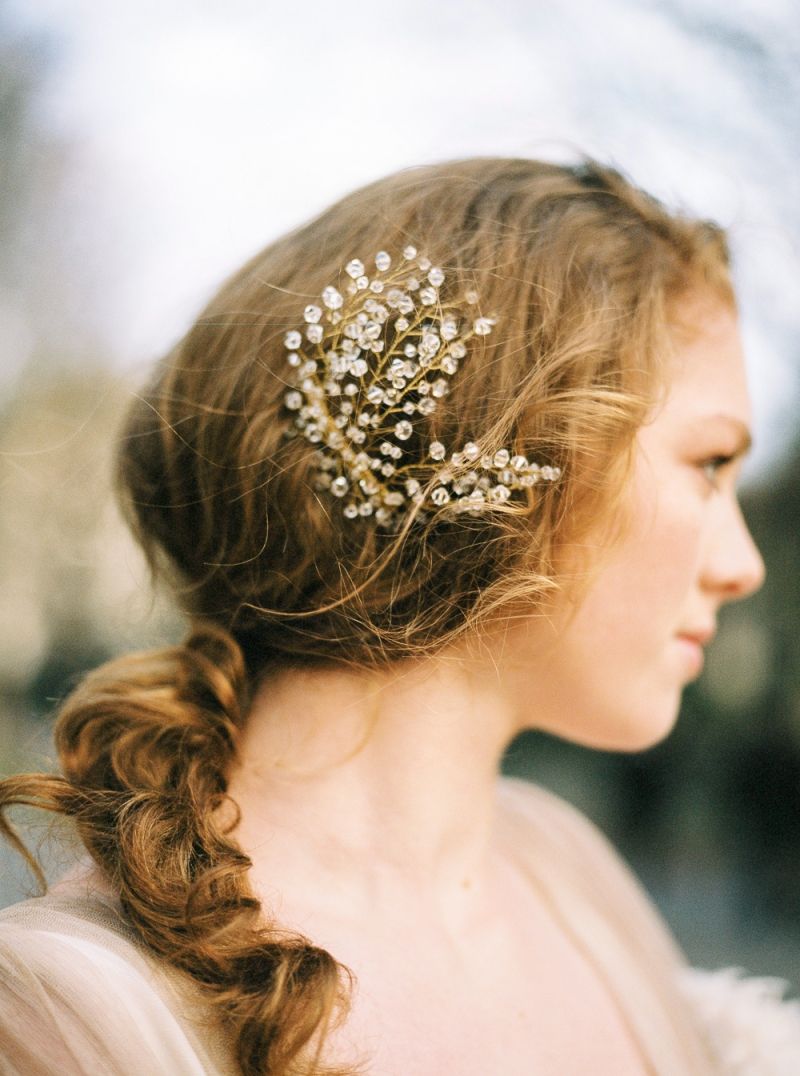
148 148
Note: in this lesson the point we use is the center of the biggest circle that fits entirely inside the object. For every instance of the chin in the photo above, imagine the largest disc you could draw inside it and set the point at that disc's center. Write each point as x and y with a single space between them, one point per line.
625 733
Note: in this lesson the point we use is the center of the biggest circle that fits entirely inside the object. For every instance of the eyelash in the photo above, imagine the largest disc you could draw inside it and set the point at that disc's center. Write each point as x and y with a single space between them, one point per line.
717 462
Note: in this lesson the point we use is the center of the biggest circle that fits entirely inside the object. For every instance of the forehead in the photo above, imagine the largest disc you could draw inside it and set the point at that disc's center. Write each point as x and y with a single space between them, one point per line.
706 373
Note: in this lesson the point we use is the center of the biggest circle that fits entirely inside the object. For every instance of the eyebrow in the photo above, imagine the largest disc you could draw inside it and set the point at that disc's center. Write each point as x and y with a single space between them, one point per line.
743 432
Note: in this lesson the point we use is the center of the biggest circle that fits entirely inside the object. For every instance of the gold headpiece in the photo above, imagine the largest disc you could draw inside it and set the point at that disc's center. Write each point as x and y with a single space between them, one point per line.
365 363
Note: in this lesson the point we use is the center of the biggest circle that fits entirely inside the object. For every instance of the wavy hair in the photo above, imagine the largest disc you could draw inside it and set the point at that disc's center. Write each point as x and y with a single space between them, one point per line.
582 271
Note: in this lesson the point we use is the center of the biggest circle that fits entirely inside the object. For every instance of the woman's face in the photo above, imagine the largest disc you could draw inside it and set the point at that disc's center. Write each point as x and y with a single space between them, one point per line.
611 676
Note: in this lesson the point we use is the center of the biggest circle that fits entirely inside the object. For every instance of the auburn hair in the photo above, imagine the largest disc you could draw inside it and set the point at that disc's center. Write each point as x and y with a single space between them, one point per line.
582 271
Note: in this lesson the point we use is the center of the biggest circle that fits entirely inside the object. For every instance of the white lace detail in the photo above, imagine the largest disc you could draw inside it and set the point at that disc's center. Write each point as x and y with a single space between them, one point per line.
751 1029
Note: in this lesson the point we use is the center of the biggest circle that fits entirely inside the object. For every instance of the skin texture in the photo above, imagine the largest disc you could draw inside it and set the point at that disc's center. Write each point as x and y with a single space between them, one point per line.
386 783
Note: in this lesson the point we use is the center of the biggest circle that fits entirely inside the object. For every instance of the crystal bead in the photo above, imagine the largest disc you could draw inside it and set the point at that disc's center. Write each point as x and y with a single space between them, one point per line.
362 283
437 450
314 334
430 343
409 408
382 515
519 463
412 486
293 340
358 367
339 486
449 364
369 485
435 277
364 418
376 286
406 305
486 463
350 389
403 429
428 296
458 350
482 326
350 510
412 284
471 296
365 508
354 268
386 448
294 401
293 358
501 457
401 325
424 264
332 298
440 496
471 450
346 407
387 469
394 499
528 479
439 387
449 328
409 253
426 406
382 261
334 317
312 314
341 421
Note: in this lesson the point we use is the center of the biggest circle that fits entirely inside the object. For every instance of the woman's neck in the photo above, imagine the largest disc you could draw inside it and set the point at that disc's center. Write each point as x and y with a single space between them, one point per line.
363 792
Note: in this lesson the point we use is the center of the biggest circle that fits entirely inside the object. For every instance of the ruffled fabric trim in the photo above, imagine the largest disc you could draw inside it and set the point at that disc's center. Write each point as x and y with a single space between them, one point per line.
750 1028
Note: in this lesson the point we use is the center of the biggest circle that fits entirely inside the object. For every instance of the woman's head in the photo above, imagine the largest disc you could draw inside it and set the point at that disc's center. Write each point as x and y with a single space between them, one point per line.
582 273
614 344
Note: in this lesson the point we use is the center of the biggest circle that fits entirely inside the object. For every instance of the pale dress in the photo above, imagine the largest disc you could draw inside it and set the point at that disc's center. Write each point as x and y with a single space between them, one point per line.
80 996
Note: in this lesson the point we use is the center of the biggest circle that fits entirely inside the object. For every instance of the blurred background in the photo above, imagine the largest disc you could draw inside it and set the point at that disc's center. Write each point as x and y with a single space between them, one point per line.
148 149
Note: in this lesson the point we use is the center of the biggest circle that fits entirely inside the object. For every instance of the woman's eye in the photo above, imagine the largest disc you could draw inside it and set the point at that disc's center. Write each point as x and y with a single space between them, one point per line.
712 466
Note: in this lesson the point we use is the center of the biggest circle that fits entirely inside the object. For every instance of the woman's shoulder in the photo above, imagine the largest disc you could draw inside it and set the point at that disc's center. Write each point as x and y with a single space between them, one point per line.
79 993
747 1026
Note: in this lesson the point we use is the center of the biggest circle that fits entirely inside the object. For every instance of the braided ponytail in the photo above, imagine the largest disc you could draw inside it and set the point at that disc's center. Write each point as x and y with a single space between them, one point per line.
145 744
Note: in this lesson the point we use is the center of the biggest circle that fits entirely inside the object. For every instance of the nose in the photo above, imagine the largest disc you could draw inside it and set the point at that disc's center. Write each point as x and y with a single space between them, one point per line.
733 567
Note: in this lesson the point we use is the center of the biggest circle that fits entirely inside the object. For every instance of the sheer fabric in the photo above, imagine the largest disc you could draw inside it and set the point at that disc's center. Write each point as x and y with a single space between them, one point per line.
80 996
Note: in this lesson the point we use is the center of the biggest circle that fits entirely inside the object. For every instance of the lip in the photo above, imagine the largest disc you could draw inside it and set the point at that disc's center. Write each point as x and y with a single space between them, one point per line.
701 636
693 653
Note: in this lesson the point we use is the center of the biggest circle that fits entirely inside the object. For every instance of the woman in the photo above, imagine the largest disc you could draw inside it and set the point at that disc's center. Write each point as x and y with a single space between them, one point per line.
456 459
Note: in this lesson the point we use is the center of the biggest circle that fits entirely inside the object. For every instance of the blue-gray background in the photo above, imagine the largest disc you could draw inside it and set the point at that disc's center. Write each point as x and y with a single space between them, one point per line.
148 149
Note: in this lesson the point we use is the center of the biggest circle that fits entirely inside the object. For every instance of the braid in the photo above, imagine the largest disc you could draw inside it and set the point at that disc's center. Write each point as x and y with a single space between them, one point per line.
145 744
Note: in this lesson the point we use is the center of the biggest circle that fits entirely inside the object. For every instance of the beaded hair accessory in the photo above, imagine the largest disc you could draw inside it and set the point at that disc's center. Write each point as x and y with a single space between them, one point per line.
363 366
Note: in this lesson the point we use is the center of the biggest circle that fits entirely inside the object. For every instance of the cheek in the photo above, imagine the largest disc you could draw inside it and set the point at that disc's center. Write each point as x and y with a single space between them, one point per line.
640 593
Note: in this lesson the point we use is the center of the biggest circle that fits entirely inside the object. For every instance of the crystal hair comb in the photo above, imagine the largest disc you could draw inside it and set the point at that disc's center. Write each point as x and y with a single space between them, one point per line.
368 361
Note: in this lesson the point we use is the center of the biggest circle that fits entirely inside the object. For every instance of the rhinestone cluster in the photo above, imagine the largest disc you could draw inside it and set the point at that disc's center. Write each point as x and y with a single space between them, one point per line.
363 365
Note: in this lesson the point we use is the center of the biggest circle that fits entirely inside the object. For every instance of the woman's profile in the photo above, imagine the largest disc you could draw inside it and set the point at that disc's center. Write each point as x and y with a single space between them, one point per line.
456 459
